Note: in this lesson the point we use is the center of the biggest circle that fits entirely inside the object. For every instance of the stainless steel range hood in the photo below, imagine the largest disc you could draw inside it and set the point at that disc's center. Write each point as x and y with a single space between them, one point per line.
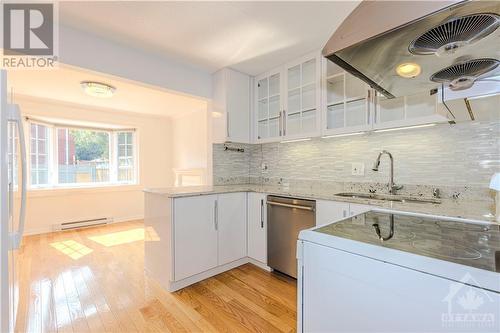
450 44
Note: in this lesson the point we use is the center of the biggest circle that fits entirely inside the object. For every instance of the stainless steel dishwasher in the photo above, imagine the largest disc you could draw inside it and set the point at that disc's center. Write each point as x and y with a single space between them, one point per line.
286 217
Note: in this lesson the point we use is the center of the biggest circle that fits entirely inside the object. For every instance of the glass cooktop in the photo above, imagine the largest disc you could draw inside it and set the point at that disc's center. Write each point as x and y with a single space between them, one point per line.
475 245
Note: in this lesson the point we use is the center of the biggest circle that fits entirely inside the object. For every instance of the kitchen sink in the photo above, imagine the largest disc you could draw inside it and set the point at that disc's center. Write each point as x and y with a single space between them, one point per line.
389 197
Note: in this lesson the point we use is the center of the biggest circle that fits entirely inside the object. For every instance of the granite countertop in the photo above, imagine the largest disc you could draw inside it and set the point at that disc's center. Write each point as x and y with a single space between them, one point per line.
475 210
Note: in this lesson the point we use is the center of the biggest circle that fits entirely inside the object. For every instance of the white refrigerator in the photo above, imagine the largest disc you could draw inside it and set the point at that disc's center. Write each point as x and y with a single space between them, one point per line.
12 203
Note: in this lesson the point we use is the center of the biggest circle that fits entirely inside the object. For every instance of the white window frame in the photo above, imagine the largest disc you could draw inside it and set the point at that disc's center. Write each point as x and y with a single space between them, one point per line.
134 156
53 161
48 153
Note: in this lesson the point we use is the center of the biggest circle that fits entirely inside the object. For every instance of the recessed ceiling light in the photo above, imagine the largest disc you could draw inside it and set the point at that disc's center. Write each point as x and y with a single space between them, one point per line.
97 89
408 70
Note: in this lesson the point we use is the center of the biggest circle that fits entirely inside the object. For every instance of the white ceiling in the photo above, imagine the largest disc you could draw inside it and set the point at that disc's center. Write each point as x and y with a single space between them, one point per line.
63 84
251 37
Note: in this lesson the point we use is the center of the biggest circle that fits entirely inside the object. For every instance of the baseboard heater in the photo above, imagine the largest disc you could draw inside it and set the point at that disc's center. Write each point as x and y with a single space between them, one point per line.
83 223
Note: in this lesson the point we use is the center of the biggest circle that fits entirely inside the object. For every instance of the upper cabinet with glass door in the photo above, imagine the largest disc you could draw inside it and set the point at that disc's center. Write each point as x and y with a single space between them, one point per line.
302 97
268 113
347 101
417 109
287 101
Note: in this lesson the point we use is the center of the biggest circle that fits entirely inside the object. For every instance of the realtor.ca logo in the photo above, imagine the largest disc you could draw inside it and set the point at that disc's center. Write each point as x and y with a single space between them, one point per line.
29 35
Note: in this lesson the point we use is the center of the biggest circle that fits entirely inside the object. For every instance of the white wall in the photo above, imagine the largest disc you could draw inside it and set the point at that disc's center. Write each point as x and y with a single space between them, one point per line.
88 51
48 207
190 142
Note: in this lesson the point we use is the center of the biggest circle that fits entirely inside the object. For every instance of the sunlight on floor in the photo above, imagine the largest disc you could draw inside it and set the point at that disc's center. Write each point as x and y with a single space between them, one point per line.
118 238
72 249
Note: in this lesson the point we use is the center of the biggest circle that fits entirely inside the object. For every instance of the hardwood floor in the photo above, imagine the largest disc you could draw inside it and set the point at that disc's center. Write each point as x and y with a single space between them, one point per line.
92 280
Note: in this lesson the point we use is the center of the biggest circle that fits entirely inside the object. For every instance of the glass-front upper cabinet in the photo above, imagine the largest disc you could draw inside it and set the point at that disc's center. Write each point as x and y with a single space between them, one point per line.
347 101
268 106
416 109
302 101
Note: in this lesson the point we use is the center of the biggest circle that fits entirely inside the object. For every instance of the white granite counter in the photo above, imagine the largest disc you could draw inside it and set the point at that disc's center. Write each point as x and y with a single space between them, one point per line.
469 209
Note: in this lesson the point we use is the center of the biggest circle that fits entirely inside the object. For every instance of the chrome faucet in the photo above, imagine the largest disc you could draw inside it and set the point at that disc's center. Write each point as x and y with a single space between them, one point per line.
392 187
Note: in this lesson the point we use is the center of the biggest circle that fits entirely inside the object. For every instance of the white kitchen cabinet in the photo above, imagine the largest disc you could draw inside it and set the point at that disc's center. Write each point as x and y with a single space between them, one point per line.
417 109
337 288
257 227
231 107
347 101
302 97
195 235
188 239
355 209
231 222
330 211
334 211
288 100
268 113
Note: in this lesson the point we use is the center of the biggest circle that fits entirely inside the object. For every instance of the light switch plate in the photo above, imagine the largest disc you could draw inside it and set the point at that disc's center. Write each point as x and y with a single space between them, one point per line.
358 169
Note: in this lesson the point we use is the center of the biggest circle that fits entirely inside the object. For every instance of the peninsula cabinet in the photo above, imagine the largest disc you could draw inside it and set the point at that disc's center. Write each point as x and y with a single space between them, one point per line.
288 100
188 239
195 235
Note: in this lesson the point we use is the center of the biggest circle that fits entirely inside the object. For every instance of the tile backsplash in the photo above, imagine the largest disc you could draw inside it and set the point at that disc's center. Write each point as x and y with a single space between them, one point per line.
465 154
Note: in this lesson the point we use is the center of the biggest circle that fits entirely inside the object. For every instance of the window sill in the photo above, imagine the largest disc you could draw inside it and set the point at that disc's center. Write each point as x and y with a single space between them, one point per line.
89 189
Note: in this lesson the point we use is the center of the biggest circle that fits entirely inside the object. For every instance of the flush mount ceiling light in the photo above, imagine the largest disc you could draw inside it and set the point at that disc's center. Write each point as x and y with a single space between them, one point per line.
408 70
97 89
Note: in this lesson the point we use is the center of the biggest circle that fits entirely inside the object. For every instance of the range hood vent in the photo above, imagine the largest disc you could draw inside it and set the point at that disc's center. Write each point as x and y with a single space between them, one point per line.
462 31
463 74
453 43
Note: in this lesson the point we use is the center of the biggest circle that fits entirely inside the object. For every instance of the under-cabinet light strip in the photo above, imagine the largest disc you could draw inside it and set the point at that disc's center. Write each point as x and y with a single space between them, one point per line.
403 128
341 135
296 140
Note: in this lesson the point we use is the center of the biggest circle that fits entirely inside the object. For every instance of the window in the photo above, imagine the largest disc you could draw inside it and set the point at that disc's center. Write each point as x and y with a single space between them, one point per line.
39 155
83 156
72 157
125 156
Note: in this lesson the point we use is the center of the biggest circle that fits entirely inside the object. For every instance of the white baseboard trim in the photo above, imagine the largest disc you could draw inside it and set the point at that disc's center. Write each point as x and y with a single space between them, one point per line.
176 285
260 264
48 229
172 286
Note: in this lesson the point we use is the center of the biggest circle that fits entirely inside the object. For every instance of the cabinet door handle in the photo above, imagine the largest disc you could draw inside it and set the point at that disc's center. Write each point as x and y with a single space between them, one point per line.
284 122
216 215
227 124
262 213
280 124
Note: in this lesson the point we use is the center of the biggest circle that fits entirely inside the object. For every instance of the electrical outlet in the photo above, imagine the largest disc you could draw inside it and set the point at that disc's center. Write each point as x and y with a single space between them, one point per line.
358 169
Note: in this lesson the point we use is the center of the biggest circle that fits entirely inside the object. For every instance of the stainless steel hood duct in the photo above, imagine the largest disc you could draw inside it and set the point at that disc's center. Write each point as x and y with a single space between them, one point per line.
455 44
